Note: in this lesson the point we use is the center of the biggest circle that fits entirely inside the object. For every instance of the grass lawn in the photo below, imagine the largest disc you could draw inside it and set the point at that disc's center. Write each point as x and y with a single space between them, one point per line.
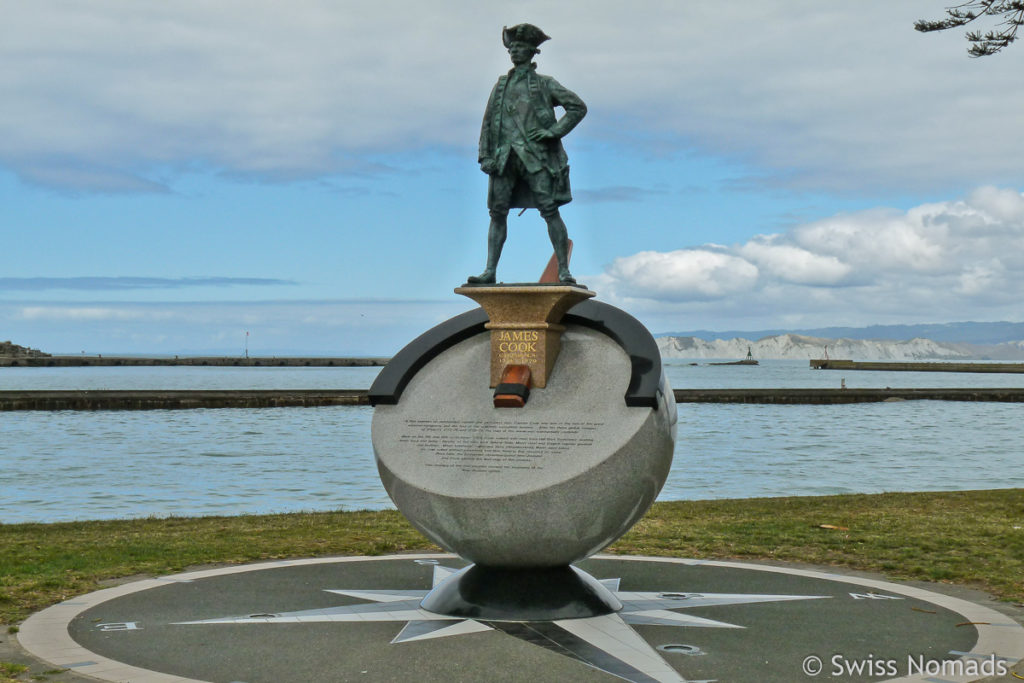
973 538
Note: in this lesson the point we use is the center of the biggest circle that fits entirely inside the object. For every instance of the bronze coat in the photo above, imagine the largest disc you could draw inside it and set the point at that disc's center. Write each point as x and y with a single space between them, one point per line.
545 94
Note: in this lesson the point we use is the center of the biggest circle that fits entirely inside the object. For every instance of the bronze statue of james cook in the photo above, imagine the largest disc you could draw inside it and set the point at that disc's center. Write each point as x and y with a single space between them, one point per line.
521 148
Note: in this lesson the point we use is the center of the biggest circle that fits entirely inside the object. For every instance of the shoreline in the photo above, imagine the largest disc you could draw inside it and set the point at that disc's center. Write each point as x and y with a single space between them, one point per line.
184 399
211 361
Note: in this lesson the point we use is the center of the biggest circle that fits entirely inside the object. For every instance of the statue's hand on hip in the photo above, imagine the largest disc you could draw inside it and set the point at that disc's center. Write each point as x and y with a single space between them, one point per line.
538 134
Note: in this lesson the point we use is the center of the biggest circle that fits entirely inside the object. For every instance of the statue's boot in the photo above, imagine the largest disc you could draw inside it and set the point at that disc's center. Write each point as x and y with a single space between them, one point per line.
495 241
560 242
484 278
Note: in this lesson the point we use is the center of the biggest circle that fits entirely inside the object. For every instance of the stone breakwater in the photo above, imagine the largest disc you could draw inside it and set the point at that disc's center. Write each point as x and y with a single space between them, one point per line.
45 361
306 398
179 399
833 396
888 366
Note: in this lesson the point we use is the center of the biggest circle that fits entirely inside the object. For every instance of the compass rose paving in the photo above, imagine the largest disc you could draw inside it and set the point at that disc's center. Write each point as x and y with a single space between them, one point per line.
358 619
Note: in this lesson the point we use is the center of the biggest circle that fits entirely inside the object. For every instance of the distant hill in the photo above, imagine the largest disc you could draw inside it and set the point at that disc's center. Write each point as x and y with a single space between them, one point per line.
963 333
9 349
801 347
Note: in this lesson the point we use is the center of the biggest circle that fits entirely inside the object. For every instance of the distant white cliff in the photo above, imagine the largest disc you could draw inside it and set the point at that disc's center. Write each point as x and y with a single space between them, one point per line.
799 347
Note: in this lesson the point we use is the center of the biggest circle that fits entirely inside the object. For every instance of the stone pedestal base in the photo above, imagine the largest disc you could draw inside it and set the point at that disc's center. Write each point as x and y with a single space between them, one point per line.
524 324
536 594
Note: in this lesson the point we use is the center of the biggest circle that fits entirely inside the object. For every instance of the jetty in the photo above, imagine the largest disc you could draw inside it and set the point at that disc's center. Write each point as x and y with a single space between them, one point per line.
136 399
897 366
836 396
211 361
749 360
306 398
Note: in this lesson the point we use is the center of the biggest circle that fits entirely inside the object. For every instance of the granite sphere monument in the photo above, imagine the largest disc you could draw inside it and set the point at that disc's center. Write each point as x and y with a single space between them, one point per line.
543 485
524 492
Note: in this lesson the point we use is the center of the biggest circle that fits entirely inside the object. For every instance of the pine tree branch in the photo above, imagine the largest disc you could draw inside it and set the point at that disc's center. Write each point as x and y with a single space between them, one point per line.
983 44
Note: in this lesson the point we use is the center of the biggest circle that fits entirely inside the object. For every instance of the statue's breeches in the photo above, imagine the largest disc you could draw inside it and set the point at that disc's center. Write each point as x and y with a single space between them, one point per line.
516 187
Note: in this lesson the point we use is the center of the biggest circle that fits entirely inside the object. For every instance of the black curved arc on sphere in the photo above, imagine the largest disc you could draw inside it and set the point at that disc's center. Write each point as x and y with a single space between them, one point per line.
624 329
393 377
635 340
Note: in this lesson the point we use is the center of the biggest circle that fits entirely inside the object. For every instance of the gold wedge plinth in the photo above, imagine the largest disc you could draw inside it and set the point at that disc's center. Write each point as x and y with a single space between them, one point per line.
525 324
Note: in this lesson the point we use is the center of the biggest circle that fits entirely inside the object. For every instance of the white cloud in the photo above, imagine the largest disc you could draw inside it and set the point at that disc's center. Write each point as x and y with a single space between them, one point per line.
342 327
94 283
981 278
933 262
999 205
88 314
835 96
683 275
794 264
875 238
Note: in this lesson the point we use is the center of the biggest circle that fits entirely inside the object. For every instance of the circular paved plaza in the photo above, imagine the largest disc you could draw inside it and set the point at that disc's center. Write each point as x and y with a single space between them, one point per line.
358 619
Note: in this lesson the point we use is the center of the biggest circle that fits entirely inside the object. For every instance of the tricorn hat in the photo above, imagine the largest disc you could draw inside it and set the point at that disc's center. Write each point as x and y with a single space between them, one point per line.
523 33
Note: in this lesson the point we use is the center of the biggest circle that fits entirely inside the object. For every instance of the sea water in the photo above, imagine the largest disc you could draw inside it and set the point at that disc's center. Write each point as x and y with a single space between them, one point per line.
67 465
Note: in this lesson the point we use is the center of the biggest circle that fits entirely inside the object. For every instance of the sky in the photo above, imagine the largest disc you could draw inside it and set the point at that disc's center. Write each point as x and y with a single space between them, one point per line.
302 178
